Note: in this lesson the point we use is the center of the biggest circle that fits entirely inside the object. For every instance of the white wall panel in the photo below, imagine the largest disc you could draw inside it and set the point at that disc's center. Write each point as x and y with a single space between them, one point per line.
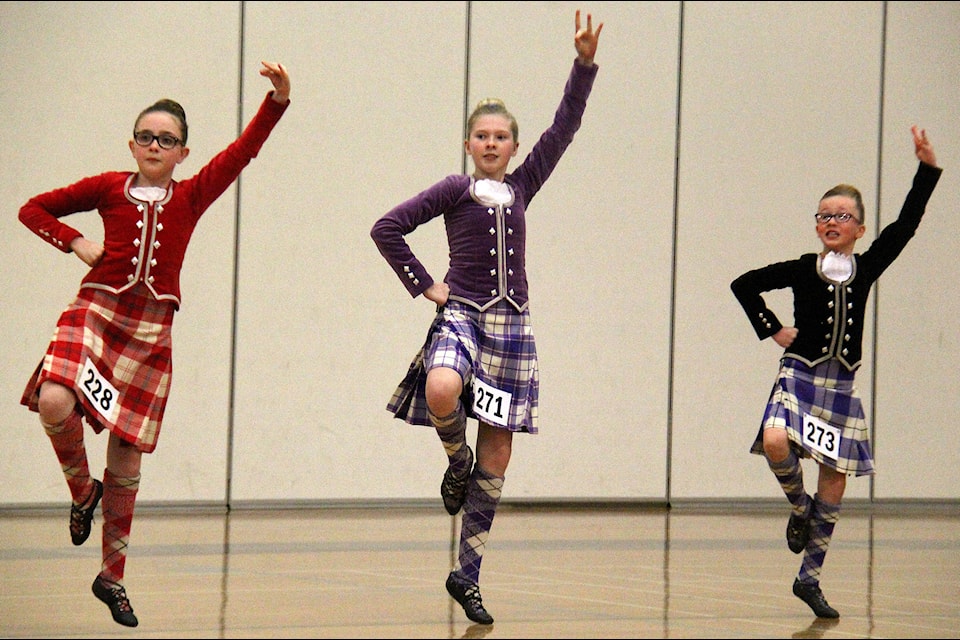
325 328
780 102
652 381
598 243
918 393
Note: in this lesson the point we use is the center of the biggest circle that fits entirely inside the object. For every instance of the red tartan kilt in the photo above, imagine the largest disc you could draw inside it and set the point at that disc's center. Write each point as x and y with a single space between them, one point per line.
127 338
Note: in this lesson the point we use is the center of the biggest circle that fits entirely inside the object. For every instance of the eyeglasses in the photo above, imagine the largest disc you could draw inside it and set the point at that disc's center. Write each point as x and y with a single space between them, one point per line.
146 138
823 218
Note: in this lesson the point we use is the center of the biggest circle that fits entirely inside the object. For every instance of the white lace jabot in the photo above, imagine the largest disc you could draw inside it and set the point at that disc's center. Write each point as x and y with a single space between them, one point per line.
148 194
492 192
836 266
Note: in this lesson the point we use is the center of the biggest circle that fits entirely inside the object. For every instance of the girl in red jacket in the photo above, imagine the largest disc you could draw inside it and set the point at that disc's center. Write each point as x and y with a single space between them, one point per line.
109 360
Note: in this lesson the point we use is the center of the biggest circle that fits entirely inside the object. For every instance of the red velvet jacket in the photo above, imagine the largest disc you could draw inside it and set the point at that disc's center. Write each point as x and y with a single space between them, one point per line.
146 242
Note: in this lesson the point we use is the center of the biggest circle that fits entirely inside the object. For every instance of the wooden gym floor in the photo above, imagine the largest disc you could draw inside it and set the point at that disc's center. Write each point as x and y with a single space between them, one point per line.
621 571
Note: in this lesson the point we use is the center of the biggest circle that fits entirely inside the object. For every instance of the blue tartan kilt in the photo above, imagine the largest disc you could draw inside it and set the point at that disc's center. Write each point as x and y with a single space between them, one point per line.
495 346
824 394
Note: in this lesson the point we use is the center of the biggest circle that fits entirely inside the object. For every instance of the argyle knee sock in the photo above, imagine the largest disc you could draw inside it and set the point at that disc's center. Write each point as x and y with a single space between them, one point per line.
67 441
789 474
452 430
823 519
119 496
483 495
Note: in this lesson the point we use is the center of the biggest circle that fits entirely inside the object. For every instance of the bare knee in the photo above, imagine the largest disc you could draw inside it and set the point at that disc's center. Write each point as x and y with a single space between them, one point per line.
443 390
776 444
56 402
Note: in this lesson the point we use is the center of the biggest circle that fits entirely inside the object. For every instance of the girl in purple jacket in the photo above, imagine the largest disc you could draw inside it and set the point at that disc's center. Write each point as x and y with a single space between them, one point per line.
479 359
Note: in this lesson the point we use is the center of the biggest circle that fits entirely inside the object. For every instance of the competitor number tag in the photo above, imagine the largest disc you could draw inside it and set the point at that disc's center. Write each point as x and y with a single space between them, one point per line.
490 403
820 435
102 395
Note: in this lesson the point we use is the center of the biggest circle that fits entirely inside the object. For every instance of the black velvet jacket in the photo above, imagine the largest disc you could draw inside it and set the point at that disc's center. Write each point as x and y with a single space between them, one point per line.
829 316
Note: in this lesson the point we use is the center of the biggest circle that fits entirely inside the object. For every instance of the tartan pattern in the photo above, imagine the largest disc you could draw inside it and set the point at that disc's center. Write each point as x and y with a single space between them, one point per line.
483 496
822 522
789 473
67 441
496 345
827 392
452 430
128 339
119 498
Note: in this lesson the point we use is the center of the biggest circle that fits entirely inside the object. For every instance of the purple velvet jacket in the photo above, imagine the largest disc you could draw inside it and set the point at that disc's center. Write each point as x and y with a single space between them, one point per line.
487 242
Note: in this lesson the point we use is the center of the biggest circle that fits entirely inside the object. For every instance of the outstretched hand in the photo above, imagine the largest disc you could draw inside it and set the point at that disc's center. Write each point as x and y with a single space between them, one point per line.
585 40
922 146
277 73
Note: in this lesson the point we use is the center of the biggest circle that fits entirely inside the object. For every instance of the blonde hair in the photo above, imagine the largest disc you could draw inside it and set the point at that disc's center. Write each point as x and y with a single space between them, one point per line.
493 106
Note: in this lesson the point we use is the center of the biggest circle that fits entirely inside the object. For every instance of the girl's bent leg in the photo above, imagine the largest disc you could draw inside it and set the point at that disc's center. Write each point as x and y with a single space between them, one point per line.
67 440
776 443
63 424
785 465
443 390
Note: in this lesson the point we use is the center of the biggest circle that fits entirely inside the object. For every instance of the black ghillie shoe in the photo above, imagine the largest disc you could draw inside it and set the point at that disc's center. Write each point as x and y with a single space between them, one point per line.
82 517
115 598
811 594
798 532
468 595
453 489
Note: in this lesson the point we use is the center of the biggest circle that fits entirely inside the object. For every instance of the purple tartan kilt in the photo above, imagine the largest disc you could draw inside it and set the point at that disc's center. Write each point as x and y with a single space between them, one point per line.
826 392
496 346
